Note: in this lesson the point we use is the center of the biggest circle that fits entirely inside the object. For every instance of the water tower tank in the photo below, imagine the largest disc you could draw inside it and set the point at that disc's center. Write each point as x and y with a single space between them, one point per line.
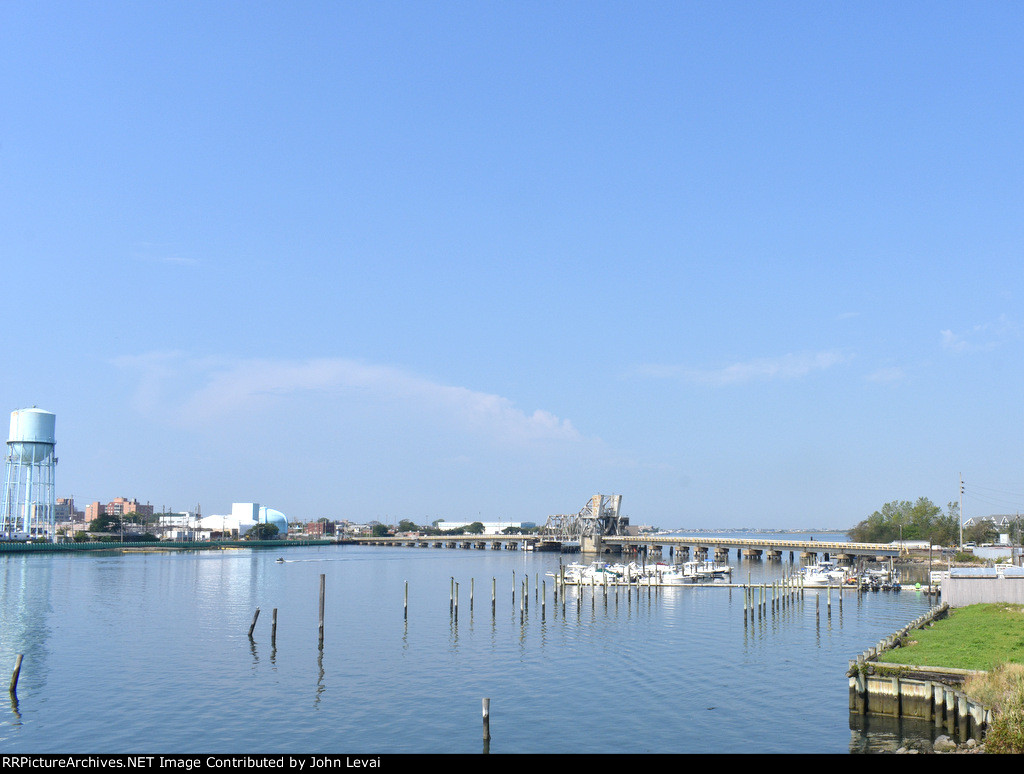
28 508
32 435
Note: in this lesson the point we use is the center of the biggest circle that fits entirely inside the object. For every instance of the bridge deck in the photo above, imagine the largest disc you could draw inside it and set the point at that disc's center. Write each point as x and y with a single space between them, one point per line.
755 544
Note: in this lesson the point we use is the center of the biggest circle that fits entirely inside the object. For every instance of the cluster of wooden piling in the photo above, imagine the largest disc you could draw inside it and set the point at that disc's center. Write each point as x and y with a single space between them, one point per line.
761 598
273 620
520 593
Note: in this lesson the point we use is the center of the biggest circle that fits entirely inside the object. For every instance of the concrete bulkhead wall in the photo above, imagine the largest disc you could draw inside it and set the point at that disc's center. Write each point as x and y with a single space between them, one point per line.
929 693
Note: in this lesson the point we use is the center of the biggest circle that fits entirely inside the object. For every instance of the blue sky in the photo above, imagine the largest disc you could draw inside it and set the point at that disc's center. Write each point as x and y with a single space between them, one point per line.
745 264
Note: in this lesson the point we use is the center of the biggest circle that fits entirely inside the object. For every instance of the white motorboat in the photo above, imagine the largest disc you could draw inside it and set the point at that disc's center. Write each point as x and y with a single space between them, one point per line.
657 574
703 571
823 574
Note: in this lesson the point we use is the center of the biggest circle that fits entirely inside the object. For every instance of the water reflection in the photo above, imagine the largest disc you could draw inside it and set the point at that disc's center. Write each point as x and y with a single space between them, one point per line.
189 613
882 734
25 610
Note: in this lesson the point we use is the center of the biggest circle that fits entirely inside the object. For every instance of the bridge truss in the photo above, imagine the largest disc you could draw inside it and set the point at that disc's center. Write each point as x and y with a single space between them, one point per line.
598 518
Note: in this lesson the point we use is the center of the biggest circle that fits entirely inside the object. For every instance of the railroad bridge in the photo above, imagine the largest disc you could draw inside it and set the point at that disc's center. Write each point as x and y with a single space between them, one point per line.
700 547
599 528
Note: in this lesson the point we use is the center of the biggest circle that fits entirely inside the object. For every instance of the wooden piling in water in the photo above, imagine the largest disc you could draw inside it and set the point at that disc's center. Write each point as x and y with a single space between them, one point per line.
253 624
273 628
323 587
406 602
16 674
487 719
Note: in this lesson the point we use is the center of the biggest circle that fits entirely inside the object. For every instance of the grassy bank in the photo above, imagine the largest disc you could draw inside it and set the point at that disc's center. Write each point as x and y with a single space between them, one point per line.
981 637
973 637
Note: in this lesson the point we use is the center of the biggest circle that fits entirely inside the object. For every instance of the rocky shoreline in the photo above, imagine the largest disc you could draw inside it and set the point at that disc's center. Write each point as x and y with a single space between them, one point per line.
943 745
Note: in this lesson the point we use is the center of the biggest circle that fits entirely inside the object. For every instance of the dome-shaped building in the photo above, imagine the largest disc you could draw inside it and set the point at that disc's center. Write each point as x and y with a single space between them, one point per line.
270 516
245 516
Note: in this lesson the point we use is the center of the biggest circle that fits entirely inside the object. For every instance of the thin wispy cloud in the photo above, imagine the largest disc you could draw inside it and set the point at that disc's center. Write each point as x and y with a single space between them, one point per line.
980 338
889 375
152 252
192 392
786 367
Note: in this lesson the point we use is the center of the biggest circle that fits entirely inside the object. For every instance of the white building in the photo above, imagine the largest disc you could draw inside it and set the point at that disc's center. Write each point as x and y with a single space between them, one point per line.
245 516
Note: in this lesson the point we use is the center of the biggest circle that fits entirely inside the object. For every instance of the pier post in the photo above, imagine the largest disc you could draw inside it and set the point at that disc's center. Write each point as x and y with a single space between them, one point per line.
406 601
273 628
322 591
494 582
253 624
487 719
14 676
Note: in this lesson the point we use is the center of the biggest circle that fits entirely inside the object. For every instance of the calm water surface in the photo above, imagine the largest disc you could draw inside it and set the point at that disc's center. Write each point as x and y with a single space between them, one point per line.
150 653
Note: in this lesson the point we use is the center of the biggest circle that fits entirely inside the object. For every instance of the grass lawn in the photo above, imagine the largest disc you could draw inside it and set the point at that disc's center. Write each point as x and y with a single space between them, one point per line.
973 637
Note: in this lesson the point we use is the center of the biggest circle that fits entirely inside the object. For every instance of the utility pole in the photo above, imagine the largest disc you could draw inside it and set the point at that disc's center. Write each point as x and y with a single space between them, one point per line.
961 511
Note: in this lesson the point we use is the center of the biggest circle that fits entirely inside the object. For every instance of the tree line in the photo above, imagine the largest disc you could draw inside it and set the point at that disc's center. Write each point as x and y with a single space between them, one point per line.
923 520
904 520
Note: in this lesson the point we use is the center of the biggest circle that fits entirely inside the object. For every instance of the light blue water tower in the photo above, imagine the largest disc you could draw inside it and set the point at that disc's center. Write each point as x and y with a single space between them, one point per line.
29 506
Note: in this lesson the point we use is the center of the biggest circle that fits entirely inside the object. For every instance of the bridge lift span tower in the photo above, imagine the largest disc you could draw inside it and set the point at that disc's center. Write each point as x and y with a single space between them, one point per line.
28 509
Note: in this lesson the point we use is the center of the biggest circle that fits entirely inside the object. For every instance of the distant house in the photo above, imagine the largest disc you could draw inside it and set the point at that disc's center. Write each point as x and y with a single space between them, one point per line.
999 520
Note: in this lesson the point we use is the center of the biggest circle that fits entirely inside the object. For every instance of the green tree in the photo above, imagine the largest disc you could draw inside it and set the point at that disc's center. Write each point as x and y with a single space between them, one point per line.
263 531
405 525
981 532
379 530
105 523
476 528
901 519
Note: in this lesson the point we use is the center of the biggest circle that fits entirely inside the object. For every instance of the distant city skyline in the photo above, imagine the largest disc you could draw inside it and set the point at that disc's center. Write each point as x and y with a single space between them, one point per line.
740 263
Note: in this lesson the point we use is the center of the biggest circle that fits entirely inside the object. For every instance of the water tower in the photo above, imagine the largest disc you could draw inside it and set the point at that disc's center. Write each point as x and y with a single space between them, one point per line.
29 504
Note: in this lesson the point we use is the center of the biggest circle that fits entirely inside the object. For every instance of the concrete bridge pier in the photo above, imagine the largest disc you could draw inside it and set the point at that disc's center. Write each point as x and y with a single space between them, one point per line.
721 554
751 553
774 556
593 544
